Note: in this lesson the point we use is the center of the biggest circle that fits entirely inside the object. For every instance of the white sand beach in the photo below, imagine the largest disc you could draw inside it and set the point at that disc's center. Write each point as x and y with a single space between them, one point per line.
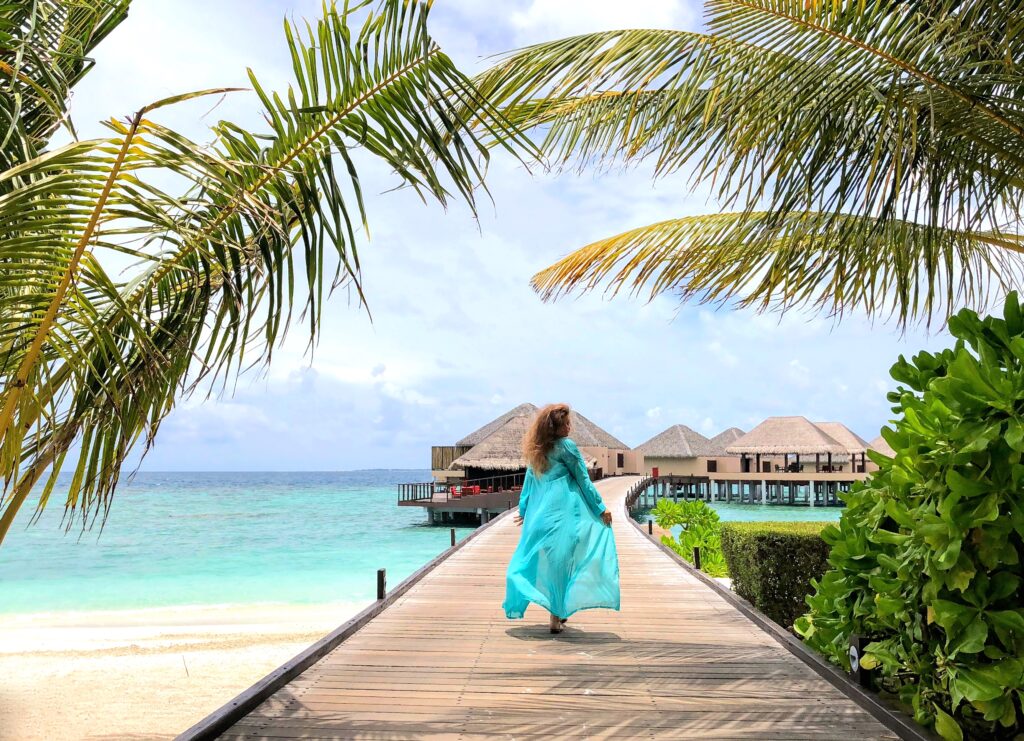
142 674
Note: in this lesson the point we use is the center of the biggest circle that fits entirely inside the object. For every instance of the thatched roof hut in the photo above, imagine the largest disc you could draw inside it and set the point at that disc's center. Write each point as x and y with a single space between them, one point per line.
497 446
499 451
782 435
478 436
854 443
678 441
880 445
586 434
724 439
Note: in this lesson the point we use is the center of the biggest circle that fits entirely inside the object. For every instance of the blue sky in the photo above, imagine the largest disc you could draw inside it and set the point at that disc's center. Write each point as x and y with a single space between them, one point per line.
458 336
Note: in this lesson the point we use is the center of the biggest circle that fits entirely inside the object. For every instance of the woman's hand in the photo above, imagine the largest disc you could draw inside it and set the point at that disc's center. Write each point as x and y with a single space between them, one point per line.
606 517
518 520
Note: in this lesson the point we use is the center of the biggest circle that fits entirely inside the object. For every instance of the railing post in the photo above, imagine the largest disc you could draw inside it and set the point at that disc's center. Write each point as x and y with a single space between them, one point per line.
696 557
453 537
650 527
382 583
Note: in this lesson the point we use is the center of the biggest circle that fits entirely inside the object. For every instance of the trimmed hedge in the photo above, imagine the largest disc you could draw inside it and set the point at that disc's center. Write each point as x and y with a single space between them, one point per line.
772 564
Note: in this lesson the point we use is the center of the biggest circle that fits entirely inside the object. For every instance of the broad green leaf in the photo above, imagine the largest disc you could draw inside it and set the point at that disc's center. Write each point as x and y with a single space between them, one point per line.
946 727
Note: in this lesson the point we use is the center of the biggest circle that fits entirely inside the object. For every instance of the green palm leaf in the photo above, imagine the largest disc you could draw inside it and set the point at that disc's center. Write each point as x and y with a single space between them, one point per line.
270 223
771 261
874 116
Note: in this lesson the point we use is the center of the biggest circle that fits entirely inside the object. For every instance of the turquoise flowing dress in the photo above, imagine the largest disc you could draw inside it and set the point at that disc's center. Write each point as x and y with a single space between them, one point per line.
566 559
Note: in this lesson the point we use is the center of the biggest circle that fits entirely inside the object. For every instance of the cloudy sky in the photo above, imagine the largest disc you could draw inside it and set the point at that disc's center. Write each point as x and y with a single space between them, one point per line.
457 335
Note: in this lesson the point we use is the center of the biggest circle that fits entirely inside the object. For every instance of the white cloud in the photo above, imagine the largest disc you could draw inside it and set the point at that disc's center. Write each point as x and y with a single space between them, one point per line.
654 413
798 373
551 18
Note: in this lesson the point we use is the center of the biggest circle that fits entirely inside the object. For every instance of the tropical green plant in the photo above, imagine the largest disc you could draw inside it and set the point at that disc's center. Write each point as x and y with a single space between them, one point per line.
865 155
772 564
230 242
926 560
701 529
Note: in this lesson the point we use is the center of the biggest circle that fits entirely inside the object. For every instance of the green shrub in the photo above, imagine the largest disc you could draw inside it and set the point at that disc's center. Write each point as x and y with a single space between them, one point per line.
701 529
926 560
772 564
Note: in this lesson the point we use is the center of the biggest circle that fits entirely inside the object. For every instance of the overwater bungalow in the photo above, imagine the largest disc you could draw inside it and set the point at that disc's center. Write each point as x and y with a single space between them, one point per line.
791 460
682 451
483 472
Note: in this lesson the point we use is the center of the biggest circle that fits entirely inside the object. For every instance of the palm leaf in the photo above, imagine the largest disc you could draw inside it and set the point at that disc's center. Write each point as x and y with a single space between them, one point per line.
271 222
881 117
770 261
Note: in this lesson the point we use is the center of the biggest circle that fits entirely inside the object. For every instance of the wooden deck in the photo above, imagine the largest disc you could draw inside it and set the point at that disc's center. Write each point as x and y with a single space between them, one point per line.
677 662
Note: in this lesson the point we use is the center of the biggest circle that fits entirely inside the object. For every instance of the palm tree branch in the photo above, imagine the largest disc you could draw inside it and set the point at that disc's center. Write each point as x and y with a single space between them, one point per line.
902 64
773 261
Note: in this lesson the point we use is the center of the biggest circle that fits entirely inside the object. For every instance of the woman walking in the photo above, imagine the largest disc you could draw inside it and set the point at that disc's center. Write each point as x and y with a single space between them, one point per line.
566 559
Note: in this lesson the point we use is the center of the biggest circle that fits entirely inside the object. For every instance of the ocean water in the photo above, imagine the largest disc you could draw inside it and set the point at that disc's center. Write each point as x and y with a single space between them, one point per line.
730 512
223 538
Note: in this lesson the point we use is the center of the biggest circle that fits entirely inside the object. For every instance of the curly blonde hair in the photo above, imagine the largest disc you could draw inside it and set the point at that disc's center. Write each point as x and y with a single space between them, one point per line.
549 426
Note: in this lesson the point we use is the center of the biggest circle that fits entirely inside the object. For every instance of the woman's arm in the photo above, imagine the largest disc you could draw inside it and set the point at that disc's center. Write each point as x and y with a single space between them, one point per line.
529 482
573 460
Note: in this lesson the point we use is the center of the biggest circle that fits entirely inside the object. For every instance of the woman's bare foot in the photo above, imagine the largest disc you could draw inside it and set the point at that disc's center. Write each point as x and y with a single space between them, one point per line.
556 624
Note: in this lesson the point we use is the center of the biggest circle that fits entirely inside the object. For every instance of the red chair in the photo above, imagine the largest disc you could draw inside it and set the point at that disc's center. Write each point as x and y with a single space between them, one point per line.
455 491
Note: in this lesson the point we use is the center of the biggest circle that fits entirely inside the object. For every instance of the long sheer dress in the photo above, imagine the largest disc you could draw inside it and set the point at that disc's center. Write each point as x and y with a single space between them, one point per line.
566 559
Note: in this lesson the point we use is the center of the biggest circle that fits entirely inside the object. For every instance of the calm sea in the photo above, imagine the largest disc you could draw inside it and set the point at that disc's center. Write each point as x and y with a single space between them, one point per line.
223 538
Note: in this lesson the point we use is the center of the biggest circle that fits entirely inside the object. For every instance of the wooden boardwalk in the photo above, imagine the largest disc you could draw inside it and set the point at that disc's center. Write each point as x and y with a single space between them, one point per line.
678 662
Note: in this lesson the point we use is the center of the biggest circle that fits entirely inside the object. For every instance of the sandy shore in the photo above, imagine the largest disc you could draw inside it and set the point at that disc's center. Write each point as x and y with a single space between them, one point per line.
142 674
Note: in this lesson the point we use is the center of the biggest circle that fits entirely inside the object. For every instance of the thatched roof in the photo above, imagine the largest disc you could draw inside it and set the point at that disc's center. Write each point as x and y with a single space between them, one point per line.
778 435
842 434
678 441
724 439
880 445
527 410
499 451
502 449
587 434
584 432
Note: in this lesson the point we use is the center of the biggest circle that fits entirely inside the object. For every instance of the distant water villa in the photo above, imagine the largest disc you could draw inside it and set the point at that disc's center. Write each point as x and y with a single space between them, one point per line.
482 474
783 460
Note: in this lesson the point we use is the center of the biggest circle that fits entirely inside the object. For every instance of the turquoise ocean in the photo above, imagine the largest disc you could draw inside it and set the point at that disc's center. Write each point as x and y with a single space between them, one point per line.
241 538
222 538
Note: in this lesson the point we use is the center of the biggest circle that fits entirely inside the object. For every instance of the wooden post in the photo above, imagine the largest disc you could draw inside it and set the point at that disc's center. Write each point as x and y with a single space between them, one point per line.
817 462
453 537
696 557
382 582
650 527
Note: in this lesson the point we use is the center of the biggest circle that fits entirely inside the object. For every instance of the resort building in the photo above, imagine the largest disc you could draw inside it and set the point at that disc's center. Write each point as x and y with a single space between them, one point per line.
787 445
682 451
483 472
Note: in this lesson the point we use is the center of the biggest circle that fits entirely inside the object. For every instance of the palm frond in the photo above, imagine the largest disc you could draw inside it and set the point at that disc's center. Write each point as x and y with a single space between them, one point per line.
778 262
901 116
271 222
44 51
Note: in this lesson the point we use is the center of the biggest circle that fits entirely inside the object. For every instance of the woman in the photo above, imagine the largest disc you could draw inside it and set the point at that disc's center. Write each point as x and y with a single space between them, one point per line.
566 559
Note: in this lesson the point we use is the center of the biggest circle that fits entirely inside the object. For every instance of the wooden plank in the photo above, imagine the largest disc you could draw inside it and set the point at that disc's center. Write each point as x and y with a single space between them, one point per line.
442 662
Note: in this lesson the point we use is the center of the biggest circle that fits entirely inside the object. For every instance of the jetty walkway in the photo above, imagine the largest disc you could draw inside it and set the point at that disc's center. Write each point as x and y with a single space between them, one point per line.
442 662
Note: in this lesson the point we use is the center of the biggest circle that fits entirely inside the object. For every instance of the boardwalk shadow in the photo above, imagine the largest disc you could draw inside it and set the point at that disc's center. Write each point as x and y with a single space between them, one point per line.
569 633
